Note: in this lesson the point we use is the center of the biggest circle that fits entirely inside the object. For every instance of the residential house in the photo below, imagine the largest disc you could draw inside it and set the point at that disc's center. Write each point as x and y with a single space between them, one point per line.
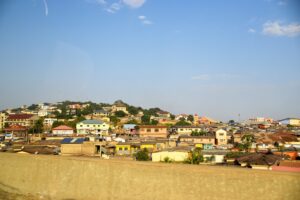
207 120
16 130
126 149
48 122
163 114
118 106
80 146
290 121
153 131
186 130
221 137
129 129
101 113
26 120
43 113
215 155
92 127
62 130
203 142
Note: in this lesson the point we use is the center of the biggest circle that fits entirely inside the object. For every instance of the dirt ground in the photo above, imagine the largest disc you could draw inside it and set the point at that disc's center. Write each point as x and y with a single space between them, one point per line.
57 177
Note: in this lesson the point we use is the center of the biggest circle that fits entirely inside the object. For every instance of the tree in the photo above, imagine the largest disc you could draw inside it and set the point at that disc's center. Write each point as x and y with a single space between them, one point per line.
247 141
32 107
133 110
172 117
196 157
154 122
115 120
198 133
182 123
142 155
145 119
120 113
57 123
38 126
190 118
132 121
231 121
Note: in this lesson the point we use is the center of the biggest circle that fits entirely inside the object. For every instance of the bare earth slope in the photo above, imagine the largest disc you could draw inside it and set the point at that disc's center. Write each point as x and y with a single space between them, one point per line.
55 177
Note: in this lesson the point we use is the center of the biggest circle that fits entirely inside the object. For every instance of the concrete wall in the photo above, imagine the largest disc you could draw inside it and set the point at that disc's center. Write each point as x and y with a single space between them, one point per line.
58 177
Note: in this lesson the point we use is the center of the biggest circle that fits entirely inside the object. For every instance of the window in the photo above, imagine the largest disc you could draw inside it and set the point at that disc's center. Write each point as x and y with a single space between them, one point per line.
156 130
80 125
221 134
148 130
120 149
126 149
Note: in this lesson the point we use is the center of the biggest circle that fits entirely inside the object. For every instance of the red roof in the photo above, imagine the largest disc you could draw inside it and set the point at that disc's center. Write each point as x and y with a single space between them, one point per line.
16 127
19 116
62 127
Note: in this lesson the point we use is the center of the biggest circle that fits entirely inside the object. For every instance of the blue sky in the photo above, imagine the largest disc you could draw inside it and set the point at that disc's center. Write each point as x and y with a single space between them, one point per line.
210 57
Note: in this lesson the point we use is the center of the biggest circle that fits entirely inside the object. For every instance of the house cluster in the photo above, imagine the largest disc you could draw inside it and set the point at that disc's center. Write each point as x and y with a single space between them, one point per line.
120 130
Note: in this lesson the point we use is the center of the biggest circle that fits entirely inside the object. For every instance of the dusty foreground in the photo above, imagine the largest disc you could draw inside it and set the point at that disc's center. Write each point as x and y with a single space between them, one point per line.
54 177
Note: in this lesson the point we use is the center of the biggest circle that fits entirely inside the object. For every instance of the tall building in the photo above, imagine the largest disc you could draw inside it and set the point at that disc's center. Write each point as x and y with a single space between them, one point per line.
26 120
2 121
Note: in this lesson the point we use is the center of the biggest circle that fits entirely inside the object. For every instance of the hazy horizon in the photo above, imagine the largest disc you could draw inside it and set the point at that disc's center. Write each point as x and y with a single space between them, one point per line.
216 59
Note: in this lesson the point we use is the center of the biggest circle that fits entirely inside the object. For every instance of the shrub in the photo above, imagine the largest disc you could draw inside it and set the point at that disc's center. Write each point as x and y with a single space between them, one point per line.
167 160
142 155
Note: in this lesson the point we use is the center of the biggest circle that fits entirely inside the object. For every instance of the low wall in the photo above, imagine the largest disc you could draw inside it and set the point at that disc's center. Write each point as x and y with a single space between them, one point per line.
57 177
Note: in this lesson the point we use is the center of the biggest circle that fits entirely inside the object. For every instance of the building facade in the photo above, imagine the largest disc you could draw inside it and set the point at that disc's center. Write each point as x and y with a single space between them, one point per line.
92 127
26 120
153 131
221 137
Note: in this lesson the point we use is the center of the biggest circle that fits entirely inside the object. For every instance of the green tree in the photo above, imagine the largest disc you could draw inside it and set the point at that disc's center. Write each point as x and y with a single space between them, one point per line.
142 155
38 126
196 157
115 120
198 133
172 117
132 110
32 107
231 121
182 123
145 119
247 141
154 122
190 118
120 113
132 121
57 123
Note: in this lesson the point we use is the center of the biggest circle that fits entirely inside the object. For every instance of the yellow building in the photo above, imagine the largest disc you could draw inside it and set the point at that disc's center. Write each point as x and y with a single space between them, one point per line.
126 148
2 120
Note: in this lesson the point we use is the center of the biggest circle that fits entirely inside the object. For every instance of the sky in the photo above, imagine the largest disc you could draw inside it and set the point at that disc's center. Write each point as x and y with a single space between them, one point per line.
210 57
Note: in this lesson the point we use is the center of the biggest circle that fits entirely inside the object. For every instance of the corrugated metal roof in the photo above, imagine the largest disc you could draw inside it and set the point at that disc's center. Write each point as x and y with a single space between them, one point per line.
92 121
72 141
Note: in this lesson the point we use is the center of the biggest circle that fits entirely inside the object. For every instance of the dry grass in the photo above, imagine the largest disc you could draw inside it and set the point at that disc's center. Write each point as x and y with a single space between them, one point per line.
59 177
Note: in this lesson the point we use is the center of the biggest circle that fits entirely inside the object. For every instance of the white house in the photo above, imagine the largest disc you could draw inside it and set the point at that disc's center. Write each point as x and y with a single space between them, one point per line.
62 130
187 130
92 127
221 137
49 121
43 113
290 121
